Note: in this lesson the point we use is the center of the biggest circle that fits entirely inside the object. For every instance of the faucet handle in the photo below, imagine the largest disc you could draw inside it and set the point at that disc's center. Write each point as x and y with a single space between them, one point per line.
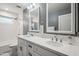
56 39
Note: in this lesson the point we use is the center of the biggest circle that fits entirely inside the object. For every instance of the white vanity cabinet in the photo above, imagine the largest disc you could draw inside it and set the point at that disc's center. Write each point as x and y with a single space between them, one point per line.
39 50
26 48
22 47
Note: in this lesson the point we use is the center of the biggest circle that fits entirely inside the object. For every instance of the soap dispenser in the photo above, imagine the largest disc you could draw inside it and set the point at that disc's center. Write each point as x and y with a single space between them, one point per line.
41 29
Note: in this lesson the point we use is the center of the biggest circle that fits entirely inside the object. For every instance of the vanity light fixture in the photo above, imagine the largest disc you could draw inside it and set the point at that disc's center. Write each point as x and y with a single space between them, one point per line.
32 5
28 7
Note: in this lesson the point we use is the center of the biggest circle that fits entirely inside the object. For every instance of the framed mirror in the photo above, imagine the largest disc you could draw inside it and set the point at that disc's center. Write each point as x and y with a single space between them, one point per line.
34 19
60 18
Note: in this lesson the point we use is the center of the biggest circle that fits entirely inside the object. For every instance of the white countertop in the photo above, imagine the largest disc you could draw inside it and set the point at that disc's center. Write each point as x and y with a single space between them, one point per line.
65 49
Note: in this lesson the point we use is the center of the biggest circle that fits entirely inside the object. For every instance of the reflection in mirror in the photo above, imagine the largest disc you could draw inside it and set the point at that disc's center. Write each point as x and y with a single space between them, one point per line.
34 19
59 18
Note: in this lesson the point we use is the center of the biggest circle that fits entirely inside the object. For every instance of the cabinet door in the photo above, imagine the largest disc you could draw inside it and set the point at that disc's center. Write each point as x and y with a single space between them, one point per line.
31 53
19 51
26 48
22 48
44 52
32 49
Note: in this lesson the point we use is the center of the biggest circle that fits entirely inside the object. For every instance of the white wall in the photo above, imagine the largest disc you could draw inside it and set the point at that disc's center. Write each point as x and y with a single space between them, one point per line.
9 14
9 31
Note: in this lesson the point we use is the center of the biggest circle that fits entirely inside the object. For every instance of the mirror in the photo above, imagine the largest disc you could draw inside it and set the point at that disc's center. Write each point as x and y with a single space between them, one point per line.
34 19
60 18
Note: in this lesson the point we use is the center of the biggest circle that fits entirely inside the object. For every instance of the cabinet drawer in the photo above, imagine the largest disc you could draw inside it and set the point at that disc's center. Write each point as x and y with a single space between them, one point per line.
44 52
39 50
31 47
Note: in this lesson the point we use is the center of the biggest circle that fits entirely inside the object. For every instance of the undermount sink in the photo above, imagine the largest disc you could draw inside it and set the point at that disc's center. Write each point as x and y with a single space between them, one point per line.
54 43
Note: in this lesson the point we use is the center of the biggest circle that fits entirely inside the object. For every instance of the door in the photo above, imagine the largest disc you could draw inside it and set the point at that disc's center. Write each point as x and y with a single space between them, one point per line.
22 47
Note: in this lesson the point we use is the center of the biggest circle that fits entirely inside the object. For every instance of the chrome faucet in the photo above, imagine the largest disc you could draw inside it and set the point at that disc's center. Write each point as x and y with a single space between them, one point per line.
54 39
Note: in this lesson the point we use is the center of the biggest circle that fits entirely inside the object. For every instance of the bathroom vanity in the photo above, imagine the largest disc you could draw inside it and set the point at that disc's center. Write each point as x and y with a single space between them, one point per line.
31 48
37 46
60 18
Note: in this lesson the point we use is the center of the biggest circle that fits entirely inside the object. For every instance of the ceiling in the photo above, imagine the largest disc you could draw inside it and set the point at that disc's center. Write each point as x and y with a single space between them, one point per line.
13 7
